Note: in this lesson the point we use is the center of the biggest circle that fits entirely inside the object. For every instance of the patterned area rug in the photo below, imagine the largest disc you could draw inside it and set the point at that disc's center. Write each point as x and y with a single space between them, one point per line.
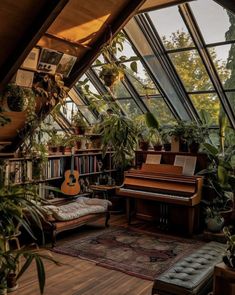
135 253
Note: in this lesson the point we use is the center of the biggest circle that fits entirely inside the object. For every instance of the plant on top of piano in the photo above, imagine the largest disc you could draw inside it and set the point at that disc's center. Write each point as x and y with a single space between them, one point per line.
190 132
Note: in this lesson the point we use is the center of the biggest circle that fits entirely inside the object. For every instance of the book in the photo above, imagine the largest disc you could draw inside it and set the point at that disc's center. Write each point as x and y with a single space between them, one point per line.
187 162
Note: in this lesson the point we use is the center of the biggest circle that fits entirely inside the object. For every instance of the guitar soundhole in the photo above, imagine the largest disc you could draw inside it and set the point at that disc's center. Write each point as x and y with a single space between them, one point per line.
72 180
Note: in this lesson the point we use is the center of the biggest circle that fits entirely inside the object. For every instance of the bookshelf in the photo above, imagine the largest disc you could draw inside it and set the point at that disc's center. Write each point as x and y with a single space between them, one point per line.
90 164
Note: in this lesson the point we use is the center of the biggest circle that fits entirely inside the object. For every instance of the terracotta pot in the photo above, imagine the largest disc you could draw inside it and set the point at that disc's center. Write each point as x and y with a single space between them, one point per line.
194 147
11 282
144 145
167 146
157 147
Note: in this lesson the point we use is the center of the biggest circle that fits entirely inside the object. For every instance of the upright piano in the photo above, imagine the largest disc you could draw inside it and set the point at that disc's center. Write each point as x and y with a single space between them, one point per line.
162 193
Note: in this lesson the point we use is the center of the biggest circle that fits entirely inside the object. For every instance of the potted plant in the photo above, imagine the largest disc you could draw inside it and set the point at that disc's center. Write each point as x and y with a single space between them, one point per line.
16 98
114 70
10 267
110 73
17 204
118 134
213 220
166 139
229 257
78 123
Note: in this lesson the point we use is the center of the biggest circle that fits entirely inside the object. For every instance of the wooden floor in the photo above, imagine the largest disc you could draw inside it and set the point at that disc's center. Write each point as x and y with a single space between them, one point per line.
81 277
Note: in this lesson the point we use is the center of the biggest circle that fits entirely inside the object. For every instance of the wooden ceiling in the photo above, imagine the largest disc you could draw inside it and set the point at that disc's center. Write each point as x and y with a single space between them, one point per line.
76 27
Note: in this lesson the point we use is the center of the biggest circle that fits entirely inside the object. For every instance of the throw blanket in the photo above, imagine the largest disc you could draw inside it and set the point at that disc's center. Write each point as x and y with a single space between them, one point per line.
81 207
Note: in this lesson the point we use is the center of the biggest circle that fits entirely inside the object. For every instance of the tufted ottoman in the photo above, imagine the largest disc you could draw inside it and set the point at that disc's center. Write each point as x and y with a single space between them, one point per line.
191 275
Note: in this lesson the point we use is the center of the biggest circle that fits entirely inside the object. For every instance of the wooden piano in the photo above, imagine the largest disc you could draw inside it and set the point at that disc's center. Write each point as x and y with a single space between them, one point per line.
162 193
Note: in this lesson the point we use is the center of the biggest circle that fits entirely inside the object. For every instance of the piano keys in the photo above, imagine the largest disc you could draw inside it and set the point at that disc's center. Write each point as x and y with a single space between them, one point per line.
162 193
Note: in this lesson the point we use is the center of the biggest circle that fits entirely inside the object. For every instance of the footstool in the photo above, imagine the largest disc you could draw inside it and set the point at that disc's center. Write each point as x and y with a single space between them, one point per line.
192 275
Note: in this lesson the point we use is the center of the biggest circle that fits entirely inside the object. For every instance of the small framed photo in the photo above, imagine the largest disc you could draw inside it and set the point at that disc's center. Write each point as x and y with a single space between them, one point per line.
31 60
66 64
48 61
24 78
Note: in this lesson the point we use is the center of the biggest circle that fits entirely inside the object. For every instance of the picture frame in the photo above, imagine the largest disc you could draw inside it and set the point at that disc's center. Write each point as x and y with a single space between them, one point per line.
31 61
48 61
66 64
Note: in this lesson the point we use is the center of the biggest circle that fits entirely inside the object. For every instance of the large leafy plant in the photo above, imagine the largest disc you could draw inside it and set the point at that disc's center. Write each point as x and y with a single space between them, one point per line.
119 135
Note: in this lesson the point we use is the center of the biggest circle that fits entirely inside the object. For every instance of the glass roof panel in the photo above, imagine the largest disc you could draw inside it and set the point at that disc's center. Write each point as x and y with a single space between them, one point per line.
159 108
208 102
214 21
191 70
75 97
231 97
171 28
87 114
224 61
127 51
141 80
129 107
156 67
68 110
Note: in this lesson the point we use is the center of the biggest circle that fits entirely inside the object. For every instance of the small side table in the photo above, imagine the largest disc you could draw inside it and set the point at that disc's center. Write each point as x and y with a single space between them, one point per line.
103 190
223 280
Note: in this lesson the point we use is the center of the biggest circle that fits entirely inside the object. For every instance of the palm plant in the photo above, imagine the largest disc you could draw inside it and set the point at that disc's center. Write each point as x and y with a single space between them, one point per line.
9 264
19 207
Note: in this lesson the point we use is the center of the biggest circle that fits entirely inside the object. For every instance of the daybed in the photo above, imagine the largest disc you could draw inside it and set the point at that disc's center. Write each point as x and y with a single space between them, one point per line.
74 213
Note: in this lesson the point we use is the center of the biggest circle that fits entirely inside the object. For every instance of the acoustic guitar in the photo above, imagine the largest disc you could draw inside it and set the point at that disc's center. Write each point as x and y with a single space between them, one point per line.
71 186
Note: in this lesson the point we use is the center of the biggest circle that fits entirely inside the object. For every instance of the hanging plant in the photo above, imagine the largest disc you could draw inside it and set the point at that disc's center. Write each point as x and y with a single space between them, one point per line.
15 98
114 70
51 87
110 73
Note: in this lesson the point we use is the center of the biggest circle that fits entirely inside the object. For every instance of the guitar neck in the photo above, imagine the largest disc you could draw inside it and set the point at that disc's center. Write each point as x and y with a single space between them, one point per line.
72 161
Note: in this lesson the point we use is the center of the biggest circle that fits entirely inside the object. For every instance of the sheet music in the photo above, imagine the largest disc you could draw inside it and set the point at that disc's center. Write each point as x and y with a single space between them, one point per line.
153 159
187 162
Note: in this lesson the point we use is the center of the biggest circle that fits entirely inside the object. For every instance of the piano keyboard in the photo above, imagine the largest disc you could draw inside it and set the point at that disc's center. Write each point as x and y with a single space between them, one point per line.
147 193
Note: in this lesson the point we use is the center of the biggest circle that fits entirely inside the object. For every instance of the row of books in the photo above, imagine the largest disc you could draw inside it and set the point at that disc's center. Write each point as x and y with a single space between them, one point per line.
19 171
28 170
89 164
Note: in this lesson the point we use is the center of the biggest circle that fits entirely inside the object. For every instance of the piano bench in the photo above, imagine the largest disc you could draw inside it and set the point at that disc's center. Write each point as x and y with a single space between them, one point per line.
192 275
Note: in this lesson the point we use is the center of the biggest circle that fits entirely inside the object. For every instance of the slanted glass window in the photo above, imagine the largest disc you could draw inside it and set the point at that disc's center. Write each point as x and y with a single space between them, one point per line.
171 28
126 51
208 102
73 94
87 114
231 97
161 111
191 70
214 21
224 61
129 107
141 80
68 109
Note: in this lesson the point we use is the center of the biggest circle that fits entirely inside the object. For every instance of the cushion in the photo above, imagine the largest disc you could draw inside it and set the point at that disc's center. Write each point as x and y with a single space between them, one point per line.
81 207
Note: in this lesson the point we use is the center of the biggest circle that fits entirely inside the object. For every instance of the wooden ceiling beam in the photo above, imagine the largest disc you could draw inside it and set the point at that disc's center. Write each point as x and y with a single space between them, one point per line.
112 28
157 4
31 37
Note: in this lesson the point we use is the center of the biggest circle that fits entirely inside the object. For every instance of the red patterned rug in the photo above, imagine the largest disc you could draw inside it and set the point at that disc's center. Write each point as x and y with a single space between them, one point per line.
135 253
